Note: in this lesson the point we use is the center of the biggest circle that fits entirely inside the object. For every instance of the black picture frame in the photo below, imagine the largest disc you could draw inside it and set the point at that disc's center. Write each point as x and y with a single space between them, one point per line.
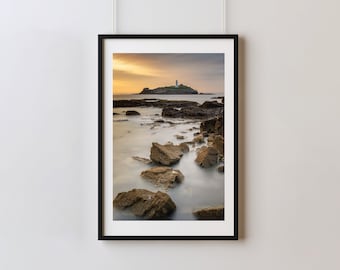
101 235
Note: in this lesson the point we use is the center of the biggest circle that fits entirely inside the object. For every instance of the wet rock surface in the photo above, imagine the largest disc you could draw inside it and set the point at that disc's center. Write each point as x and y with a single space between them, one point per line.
207 157
143 160
209 137
198 139
218 144
211 104
132 113
159 103
164 177
179 137
167 154
146 204
176 108
184 147
214 125
210 213
193 112
172 112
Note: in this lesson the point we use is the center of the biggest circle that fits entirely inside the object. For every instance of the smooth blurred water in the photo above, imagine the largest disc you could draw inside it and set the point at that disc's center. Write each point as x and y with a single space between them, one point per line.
202 187
197 98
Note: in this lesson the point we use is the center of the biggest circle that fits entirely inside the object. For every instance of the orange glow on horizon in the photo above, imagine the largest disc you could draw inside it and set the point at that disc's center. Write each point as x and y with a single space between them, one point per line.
133 72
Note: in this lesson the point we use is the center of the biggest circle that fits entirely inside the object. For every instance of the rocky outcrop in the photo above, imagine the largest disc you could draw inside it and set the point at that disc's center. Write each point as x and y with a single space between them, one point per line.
210 213
207 156
146 204
164 177
159 103
208 126
167 154
211 104
214 125
132 113
170 90
171 112
194 112
218 144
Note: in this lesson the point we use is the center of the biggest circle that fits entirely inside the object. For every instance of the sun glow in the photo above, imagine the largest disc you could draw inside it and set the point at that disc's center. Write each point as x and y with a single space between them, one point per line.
133 68
132 72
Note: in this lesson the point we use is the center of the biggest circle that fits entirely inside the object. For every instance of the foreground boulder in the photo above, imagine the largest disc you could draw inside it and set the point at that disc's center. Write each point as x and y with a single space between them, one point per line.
210 213
146 204
167 154
165 177
207 156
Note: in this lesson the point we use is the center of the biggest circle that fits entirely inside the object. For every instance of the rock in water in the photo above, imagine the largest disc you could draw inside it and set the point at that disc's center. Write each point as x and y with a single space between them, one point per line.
167 154
220 169
219 126
210 213
132 113
211 104
184 147
218 144
143 160
146 204
152 103
171 112
198 139
207 156
179 137
215 125
193 112
163 176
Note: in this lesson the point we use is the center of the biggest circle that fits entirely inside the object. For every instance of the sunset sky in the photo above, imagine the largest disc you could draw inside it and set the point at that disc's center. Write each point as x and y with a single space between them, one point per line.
133 72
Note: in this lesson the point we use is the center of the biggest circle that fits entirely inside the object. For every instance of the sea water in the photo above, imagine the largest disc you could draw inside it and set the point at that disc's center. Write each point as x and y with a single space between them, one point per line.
133 136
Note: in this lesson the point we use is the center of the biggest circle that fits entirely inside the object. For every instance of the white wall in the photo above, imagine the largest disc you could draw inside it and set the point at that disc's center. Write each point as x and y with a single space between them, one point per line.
290 147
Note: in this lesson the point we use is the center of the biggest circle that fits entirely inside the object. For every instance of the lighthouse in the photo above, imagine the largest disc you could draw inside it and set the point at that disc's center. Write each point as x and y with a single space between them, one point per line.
176 84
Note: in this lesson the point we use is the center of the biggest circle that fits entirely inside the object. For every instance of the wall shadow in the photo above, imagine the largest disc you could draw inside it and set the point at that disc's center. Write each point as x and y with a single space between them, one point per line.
242 139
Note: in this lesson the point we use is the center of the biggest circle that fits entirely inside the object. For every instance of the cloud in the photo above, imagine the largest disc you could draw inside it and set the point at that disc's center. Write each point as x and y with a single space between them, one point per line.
202 71
127 75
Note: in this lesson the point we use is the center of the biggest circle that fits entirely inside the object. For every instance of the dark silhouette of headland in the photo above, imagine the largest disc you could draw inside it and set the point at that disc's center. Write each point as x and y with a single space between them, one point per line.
177 89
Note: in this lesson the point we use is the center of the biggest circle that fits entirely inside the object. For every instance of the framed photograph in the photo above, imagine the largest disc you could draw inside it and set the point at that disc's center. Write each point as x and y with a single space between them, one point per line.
167 137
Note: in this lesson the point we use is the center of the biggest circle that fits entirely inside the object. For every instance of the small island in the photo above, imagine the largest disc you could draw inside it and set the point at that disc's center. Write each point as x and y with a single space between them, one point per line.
178 89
